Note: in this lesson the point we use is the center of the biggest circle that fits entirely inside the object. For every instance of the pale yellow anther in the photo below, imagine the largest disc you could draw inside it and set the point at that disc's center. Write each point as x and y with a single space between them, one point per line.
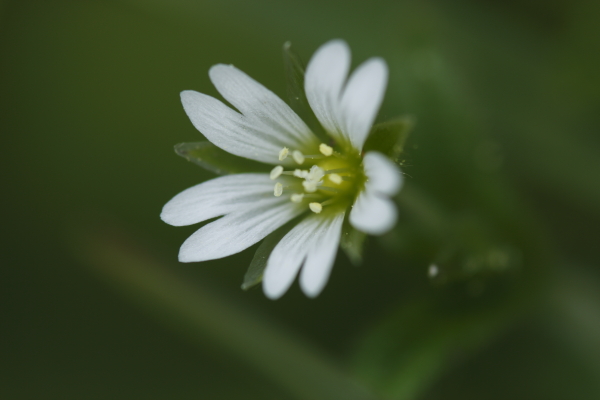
276 172
278 190
297 197
315 207
298 156
335 178
299 173
310 186
283 153
325 150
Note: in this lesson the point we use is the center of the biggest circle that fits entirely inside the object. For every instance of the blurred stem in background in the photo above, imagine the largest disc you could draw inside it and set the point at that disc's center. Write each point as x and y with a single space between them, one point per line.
203 316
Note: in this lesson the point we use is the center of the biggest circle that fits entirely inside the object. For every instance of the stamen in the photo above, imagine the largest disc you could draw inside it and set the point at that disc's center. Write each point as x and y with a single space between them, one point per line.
299 173
276 172
297 197
283 153
298 156
335 178
310 186
315 207
316 173
278 189
325 150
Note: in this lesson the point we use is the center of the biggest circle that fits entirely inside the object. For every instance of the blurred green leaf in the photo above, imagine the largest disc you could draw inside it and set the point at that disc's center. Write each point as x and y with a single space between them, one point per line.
406 352
464 247
553 354
352 243
389 137
574 315
214 159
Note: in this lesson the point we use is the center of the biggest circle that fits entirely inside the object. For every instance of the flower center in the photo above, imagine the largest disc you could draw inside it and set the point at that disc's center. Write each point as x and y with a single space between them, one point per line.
329 180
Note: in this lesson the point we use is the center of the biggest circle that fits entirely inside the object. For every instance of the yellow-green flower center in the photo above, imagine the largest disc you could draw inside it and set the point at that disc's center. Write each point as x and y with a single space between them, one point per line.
325 182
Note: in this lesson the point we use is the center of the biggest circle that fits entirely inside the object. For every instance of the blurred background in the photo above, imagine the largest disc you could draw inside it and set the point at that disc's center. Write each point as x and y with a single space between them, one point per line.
502 196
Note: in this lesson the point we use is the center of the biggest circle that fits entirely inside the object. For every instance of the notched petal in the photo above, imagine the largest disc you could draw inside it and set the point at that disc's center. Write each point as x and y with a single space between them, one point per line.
324 80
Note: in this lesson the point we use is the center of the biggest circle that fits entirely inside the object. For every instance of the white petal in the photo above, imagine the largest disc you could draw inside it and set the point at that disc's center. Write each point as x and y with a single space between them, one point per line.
362 97
238 231
260 105
320 259
216 197
382 174
229 129
373 214
325 76
287 257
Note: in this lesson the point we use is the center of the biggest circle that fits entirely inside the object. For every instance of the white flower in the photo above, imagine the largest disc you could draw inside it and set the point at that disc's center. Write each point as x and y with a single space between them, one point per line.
315 182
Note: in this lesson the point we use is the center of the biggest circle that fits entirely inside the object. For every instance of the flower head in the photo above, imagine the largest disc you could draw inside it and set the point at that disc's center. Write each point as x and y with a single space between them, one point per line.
315 182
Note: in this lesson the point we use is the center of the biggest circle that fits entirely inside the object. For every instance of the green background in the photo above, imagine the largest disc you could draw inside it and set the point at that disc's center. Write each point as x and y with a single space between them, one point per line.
502 194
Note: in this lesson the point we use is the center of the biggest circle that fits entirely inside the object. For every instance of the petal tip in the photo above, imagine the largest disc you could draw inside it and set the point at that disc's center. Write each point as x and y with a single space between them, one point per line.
183 257
188 97
218 68
380 67
335 43
310 292
333 49
169 216
189 253
271 291
164 216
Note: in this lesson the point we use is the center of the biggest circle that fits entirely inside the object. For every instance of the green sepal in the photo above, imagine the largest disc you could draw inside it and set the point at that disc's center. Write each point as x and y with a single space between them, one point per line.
389 137
352 243
294 73
214 159
258 264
